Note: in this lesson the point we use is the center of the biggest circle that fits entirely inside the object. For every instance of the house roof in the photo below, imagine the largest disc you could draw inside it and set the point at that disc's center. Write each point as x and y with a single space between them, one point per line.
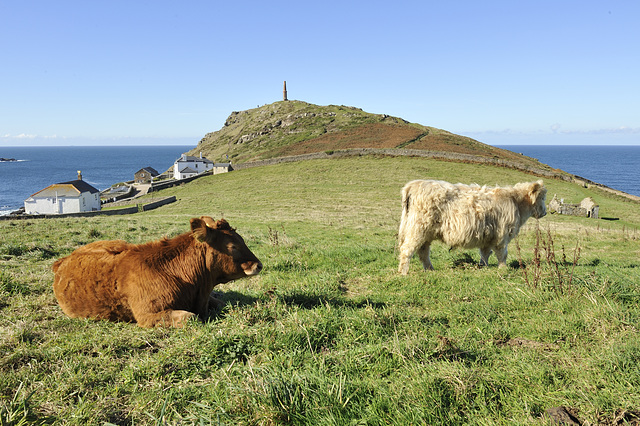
191 159
150 170
221 164
77 185
188 170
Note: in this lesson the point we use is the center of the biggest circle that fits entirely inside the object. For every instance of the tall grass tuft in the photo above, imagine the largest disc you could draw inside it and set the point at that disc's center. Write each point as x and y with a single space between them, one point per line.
545 267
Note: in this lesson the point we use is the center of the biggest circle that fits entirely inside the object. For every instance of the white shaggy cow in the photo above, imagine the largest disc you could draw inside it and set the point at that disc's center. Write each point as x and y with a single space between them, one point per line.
465 216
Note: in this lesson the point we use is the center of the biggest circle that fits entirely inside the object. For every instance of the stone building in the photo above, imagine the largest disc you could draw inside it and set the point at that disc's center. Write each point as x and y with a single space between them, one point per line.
145 175
586 207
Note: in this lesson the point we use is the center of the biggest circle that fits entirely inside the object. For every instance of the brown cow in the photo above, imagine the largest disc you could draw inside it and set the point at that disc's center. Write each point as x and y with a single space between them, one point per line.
161 283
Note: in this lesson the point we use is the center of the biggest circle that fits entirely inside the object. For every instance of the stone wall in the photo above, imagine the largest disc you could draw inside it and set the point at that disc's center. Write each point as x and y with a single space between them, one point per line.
394 152
157 186
586 208
137 208
445 156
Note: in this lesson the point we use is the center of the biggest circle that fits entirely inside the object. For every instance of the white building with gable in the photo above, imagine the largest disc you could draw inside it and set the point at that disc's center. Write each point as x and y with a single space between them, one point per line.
66 197
187 166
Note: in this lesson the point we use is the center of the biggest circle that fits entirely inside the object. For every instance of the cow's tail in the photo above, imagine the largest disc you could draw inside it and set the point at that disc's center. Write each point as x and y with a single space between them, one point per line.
406 203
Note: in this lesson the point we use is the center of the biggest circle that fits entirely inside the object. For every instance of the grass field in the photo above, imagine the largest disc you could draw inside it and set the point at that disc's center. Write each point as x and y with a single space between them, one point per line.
329 333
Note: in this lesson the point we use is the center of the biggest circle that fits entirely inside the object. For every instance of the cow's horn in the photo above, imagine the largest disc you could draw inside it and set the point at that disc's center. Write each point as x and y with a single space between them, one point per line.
209 222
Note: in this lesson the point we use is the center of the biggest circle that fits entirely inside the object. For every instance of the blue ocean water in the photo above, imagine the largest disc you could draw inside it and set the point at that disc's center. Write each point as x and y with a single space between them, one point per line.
101 166
616 166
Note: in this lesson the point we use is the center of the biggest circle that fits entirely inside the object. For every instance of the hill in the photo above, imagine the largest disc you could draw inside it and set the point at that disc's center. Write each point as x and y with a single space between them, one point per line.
289 128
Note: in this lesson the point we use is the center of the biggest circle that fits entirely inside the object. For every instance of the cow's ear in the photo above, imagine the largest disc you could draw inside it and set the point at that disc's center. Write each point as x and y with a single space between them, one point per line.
221 224
199 229
536 189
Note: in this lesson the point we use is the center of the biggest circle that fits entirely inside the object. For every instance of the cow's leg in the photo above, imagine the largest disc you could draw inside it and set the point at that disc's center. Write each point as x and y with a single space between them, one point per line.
501 254
407 249
423 253
167 318
485 252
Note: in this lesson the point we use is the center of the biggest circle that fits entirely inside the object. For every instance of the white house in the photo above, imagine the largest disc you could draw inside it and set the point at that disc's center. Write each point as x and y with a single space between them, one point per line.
188 166
66 197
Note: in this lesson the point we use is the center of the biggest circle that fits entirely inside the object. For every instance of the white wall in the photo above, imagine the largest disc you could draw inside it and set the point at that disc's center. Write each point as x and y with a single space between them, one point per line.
86 202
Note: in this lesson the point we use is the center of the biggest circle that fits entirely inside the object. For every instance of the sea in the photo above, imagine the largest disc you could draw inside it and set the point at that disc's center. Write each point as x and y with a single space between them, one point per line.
616 166
36 168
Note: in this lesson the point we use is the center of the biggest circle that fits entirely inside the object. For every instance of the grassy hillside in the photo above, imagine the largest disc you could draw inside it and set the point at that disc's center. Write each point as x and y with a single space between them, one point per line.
295 127
329 333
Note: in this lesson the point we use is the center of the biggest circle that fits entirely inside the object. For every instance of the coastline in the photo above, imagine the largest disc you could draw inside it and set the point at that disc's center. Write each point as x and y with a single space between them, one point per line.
7 206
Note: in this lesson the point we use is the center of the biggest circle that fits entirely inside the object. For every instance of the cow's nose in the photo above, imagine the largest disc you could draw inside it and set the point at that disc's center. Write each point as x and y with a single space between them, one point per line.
252 268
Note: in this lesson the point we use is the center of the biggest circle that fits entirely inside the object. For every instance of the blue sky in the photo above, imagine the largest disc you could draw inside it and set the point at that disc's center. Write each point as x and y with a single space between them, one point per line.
137 72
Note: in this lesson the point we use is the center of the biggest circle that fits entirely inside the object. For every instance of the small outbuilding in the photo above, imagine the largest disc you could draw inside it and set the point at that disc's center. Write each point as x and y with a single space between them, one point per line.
221 168
66 197
586 207
145 175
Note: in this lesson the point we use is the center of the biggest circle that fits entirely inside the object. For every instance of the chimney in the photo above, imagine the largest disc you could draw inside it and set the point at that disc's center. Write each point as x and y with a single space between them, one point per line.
79 175
284 91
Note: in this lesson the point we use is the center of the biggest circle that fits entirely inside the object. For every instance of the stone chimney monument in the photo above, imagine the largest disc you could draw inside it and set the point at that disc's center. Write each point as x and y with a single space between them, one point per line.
284 91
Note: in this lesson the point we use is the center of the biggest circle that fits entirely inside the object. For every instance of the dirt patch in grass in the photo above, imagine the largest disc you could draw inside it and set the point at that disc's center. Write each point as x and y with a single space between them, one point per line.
447 142
519 342
384 135
375 135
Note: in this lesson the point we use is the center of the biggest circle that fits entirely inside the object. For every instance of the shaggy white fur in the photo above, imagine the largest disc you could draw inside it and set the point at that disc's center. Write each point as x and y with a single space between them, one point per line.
465 216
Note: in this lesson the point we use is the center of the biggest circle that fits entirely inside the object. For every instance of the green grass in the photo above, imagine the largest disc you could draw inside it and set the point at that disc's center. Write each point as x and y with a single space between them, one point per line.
329 333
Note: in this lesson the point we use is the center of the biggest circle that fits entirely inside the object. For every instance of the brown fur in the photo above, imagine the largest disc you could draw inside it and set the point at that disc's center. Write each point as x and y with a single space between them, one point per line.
160 283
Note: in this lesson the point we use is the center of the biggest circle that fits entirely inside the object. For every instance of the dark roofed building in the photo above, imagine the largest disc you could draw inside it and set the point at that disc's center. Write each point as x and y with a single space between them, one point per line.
65 197
188 166
145 175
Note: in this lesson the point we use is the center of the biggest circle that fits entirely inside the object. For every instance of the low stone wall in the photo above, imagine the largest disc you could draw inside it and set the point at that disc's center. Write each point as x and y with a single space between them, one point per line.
397 152
446 156
586 207
138 208
175 182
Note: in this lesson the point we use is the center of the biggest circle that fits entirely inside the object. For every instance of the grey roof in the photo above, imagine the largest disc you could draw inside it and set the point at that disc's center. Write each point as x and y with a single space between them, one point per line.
150 170
191 159
188 170
81 186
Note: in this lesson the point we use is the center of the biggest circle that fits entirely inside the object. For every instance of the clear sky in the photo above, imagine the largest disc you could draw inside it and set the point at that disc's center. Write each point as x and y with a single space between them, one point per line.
502 72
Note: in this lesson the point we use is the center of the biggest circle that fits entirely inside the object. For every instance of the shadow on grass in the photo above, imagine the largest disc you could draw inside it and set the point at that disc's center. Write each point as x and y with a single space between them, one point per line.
302 300
448 350
307 301
464 260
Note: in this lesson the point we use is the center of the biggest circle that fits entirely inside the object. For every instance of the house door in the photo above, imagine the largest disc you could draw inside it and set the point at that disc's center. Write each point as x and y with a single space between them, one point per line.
60 208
